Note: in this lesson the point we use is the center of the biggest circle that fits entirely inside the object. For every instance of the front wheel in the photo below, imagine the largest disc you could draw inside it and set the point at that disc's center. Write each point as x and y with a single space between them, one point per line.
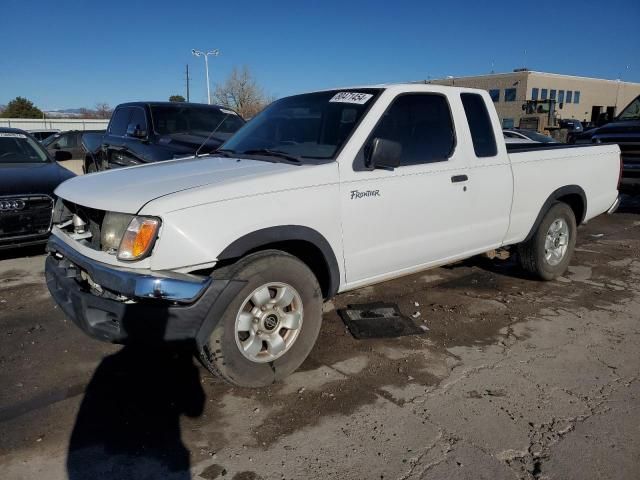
548 252
268 330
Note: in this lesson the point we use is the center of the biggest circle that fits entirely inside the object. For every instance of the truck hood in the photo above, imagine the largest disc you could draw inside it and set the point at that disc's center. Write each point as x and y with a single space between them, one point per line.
127 190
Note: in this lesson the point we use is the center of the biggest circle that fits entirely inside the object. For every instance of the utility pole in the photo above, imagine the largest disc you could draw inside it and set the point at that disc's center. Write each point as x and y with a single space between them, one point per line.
187 82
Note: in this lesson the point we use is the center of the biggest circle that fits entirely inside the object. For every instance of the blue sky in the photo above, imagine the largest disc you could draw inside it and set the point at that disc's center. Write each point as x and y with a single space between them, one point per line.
69 54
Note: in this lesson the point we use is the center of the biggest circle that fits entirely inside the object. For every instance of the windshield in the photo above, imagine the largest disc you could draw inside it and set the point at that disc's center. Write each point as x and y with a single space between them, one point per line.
632 111
313 125
19 148
194 120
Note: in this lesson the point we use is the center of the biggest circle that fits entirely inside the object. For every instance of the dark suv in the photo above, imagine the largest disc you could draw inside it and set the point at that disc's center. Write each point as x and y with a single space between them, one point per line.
144 132
625 131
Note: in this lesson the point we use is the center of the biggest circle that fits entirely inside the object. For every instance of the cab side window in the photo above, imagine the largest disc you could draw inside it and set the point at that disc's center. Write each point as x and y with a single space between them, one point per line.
138 118
119 121
67 141
422 125
482 135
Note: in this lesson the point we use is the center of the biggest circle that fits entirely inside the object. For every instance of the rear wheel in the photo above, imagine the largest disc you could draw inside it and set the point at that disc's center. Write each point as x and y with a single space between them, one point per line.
268 330
548 252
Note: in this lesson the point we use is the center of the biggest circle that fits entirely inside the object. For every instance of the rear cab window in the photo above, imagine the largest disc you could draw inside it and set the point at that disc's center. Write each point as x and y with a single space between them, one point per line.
482 134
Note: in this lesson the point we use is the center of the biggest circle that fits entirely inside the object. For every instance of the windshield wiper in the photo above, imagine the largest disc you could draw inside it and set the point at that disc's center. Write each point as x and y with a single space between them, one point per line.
223 152
274 153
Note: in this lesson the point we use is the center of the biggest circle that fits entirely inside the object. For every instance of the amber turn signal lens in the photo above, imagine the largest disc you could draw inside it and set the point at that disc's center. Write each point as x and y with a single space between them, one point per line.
138 238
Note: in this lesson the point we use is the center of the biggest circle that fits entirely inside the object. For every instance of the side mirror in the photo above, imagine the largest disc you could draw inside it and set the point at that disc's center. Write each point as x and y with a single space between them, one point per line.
62 155
385 154
135 131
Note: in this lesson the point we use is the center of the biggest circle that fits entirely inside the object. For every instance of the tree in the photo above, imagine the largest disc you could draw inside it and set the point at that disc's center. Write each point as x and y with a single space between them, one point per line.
241 92
103 110
177 98
20 107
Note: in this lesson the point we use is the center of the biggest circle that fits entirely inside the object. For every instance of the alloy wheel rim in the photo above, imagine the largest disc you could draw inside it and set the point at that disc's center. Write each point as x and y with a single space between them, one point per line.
556 242
268 322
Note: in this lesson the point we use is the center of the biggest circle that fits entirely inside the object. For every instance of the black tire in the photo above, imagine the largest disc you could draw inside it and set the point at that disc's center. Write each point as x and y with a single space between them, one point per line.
532 254
91 167
223 358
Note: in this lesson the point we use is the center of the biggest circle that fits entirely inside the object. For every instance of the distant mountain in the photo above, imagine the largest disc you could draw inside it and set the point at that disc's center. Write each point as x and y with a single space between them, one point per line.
67 112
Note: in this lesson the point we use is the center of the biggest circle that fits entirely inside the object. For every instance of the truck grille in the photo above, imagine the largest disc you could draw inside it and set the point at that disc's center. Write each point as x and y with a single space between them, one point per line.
25 216
93 219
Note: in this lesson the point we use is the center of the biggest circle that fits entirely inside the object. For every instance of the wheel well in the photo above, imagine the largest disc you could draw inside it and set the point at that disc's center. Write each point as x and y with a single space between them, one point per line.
576 203
571 195
310 254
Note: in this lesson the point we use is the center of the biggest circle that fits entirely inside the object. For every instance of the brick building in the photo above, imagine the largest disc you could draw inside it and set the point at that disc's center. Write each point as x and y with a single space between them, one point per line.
582 98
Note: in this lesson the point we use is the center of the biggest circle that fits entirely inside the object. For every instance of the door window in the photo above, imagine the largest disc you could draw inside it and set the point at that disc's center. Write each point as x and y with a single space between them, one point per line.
422 125
138 118
67 141
119 121
484 140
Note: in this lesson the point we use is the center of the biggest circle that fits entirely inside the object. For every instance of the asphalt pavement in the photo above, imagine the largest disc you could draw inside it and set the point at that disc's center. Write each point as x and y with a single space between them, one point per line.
513 378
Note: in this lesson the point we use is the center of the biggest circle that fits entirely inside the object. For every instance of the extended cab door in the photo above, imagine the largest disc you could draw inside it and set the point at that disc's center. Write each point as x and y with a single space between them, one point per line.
399 220
490 184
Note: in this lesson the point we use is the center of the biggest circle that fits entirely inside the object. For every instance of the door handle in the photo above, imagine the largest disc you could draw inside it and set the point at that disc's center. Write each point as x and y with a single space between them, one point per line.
459 178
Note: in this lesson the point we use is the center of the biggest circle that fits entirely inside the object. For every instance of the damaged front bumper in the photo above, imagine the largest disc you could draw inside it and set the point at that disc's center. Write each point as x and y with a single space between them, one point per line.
134 306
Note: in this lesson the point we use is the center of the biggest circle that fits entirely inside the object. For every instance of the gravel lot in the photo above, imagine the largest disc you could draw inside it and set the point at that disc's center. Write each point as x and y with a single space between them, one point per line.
514 379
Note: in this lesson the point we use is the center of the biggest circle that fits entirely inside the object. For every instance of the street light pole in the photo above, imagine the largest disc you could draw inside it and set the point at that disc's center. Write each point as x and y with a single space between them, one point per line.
213 53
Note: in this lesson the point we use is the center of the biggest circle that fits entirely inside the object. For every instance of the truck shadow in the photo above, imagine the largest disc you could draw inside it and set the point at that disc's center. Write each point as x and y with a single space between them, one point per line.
128 425
21 252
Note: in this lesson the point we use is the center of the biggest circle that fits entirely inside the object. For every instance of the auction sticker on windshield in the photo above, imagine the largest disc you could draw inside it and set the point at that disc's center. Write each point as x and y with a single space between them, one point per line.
12 135
351 97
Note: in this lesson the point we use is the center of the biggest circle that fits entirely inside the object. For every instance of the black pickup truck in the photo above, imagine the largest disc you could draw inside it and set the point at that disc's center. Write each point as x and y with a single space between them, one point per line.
625 131
145 132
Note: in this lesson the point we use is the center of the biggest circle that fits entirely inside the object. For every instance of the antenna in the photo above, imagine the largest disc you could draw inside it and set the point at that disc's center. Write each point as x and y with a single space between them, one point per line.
211 134
187 82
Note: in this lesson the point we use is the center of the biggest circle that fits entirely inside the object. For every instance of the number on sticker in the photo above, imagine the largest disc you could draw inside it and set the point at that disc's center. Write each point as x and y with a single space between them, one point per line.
351 97
12 135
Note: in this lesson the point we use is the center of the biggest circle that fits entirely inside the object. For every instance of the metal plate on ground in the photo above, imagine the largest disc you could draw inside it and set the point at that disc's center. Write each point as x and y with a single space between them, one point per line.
377 320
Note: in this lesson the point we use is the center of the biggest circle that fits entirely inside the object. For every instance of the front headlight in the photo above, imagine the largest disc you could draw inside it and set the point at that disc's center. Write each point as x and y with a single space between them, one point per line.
113 227
138 239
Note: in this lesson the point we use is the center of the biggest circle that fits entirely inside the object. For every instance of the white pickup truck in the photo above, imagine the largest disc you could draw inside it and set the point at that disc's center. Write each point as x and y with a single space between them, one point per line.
319 194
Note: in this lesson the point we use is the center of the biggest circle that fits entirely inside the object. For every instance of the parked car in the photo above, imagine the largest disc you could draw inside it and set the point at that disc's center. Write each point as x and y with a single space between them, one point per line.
320 193
70 141
28 178
529 135
43 134
625 132
571 124
512 140
147 132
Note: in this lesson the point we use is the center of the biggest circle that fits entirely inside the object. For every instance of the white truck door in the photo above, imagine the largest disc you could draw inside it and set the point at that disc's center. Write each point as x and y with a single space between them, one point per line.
490 185
398 220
